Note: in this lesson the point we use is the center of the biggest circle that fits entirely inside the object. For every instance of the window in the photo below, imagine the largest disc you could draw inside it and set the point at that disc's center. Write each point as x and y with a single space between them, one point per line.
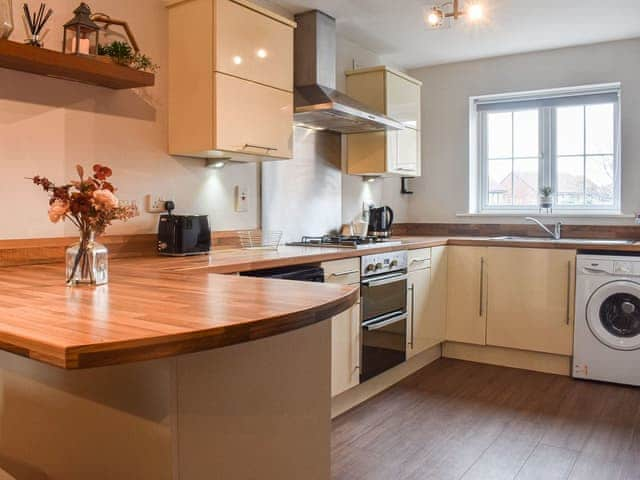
566 139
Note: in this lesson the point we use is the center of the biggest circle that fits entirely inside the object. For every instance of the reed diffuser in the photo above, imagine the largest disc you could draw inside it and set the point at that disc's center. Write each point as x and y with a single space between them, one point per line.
35 23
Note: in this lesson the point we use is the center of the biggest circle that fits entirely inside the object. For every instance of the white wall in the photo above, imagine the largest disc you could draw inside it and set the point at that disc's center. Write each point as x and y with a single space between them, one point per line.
442 192
47 126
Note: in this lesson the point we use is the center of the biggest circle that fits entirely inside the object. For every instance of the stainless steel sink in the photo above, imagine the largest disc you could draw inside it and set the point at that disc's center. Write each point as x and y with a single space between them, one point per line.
585 241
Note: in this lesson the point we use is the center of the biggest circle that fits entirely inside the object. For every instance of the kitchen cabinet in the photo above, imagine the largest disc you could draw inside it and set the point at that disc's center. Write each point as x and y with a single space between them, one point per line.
345 329
230 80
394 152
466 294
530 299
426 299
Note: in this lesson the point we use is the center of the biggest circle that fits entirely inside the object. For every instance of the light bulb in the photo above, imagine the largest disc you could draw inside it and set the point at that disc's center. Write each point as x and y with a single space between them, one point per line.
262 53
237 60
435 16
475 12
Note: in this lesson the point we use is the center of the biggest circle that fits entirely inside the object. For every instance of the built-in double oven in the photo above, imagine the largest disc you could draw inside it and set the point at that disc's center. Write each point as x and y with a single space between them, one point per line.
384 312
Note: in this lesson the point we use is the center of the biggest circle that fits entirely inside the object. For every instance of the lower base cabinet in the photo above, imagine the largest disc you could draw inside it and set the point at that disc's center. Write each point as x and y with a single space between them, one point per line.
427 300
531 299
345 350
345 328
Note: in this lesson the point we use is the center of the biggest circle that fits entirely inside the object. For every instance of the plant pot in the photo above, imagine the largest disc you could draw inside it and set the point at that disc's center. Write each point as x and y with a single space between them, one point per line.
546 202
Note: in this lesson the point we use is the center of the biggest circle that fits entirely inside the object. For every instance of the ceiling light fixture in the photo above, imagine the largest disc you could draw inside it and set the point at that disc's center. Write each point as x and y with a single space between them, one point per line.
436 15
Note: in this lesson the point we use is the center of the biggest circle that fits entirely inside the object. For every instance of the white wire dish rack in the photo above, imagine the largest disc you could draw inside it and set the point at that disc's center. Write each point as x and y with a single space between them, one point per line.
260 239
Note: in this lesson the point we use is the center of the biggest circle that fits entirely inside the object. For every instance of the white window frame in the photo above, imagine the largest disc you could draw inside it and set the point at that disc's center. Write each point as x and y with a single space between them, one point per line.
478 157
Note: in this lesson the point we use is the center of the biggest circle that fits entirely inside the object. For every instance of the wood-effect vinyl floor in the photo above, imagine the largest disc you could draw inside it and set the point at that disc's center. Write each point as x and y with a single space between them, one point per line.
461 420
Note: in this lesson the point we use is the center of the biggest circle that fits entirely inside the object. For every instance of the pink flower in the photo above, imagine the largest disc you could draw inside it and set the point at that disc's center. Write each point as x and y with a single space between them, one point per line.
105 200
57 210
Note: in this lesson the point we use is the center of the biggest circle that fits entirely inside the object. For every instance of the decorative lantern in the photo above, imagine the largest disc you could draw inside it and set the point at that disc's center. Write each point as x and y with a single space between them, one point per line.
81 33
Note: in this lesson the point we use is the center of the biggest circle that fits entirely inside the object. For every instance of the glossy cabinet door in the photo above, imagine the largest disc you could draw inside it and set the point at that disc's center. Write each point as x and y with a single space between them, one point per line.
251 118
230 77
397 96
252 46
405 161
530 304
467 269
419 319
403 100
345 328
426 299
437 295
345 350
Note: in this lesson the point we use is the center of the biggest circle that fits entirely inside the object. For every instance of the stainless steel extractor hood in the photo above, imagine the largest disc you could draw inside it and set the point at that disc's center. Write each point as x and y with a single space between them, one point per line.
318 104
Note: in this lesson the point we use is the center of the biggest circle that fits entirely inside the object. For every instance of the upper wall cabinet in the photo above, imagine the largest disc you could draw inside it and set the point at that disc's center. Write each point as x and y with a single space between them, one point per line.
230 80
395 152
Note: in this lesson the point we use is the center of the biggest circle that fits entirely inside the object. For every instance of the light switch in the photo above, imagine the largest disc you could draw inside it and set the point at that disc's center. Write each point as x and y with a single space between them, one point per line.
242 198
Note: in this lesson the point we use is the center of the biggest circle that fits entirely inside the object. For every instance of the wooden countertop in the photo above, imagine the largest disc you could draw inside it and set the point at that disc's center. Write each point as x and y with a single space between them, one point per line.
146 313
157 307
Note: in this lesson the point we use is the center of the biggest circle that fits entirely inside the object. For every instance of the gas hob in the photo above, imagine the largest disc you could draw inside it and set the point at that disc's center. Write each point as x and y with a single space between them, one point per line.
342 241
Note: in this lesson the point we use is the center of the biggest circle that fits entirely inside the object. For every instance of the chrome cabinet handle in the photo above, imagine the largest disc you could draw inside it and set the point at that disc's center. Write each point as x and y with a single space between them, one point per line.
413 312
344 274
260 147
481 285
419 260
569 292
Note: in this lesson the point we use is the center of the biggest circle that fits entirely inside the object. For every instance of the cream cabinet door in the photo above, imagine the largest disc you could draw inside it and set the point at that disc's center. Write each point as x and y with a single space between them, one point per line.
466 295
405 160
418 335
403 100
437 295
427 299
251 118
345 350
530 304
253 46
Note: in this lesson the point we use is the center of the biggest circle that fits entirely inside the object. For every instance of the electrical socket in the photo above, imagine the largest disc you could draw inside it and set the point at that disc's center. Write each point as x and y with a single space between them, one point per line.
154 203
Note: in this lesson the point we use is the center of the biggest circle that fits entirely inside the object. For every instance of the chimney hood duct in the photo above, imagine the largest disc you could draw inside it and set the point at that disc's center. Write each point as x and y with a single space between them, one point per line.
318 104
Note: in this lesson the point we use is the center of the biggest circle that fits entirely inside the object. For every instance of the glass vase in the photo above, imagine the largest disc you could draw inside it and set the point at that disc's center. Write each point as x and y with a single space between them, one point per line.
87 262
6 18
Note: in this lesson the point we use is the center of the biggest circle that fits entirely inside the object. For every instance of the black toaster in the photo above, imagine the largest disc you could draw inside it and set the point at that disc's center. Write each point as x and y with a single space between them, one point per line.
181 235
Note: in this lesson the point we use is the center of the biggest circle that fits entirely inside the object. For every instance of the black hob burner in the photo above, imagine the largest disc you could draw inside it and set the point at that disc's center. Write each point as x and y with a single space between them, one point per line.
344 241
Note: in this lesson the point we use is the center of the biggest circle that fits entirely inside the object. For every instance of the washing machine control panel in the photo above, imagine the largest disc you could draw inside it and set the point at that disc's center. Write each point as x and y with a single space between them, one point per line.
594 265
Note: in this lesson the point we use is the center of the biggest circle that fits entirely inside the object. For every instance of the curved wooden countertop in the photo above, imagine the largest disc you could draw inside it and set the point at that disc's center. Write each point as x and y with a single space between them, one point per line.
147 313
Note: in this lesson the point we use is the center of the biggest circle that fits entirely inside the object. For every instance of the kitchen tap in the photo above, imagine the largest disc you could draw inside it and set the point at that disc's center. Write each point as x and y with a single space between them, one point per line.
555 234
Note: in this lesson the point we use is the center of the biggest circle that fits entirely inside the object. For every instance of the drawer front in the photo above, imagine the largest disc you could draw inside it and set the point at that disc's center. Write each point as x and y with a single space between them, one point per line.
345 272
419 259
252 46
252 119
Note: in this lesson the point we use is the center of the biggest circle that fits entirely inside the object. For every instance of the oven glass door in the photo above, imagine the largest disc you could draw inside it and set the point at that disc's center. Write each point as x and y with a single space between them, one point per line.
383 295
384 323
383 344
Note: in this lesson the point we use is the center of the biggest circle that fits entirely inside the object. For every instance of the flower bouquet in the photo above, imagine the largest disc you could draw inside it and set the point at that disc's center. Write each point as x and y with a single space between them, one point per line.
90 204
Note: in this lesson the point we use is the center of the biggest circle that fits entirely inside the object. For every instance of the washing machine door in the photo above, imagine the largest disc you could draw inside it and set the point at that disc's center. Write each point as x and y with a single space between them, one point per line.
613 315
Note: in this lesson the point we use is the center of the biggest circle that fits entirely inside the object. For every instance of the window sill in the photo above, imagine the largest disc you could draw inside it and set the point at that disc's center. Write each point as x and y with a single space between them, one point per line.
557 214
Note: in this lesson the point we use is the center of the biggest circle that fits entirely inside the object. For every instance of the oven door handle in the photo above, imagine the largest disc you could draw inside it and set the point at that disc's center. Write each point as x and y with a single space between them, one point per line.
386 280
378 324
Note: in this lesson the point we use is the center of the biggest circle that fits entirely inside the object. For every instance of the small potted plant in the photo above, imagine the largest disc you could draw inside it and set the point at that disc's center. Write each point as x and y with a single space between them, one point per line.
546 197
90 204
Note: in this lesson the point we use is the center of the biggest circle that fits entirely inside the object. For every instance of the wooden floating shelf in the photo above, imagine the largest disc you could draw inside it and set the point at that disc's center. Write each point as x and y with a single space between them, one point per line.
77 68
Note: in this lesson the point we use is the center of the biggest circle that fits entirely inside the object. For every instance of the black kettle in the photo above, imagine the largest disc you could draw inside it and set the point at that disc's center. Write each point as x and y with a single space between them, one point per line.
380 221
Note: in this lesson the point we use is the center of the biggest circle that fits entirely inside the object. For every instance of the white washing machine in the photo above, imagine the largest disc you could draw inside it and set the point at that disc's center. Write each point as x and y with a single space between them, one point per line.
607 326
